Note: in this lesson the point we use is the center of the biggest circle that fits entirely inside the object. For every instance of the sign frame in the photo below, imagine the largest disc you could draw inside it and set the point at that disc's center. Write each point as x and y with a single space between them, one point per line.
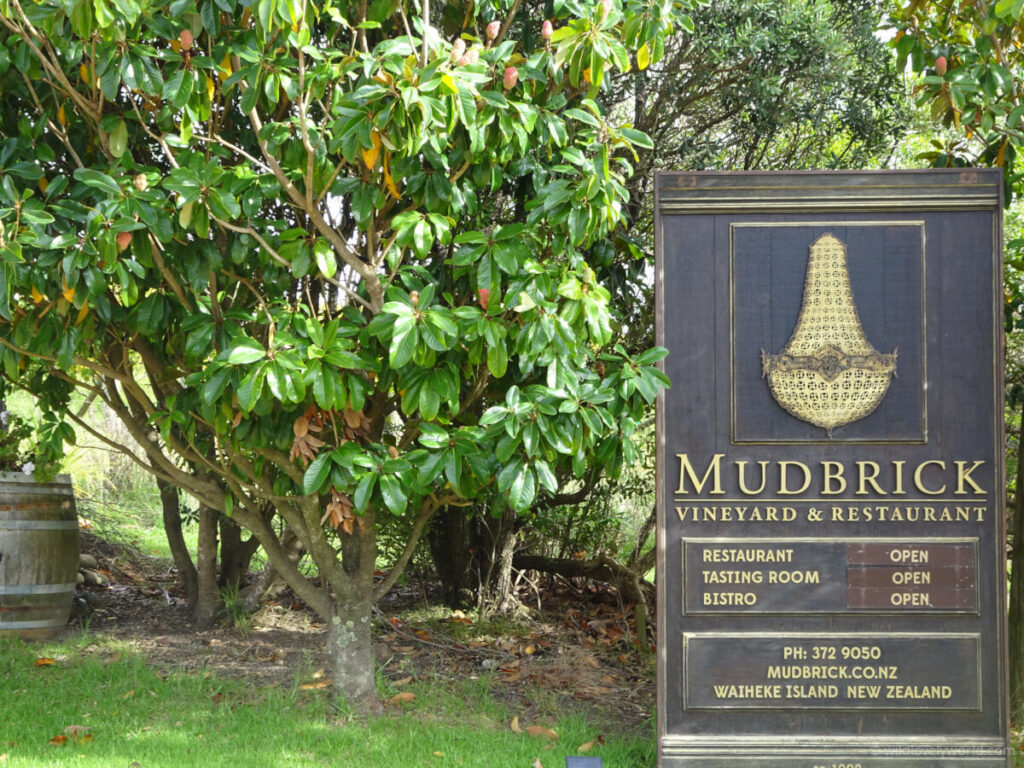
903 440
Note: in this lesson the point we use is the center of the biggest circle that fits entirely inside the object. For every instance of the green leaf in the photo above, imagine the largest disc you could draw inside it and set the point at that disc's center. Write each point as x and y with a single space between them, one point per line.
215 385
246 351
638 138
97 180
393 493
363 491
316 474
325 259
523 489
583 116
497 360
119 139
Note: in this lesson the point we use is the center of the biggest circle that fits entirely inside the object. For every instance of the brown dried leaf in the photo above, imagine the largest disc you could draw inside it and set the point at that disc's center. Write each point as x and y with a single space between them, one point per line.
353 418
402 698
537 763
585 747
514 725
541 731
45 662
301 426
402 681
314 685
59 740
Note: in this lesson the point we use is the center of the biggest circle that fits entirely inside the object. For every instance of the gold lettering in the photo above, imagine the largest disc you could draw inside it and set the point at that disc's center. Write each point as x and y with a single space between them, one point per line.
714 471
865 478
783 477
832 471
898 466
741 466
919 481
964 476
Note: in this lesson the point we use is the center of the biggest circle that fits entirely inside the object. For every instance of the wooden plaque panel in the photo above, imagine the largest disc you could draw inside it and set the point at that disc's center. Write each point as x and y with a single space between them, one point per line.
831 534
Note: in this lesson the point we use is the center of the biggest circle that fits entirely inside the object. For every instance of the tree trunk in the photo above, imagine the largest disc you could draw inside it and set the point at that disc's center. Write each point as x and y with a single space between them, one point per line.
170 502
496 596
454 550
351 653
1016 618
204 611
603 569
348 635
235 553
269 583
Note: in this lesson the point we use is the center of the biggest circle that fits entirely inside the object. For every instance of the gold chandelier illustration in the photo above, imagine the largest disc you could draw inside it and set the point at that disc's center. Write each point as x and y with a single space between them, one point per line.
828 374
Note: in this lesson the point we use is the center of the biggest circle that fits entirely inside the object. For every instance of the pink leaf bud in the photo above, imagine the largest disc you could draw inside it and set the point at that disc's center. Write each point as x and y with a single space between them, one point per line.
458 48
510 78
546 30
493 29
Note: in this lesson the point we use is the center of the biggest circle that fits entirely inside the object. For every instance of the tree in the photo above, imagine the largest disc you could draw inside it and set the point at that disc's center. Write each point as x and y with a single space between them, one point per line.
326 261
970 63
759 84
971 68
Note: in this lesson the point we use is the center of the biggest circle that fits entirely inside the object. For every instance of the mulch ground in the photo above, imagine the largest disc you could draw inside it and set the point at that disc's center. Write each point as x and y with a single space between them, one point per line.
572 651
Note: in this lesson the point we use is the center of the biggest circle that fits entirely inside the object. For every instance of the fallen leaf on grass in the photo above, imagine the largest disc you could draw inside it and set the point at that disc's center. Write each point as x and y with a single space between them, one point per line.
438 754
585 747
540 730
514 725
537 763
59 740
3 757
403 681
113 659
77 731
129 694
315 684
44 662
402 698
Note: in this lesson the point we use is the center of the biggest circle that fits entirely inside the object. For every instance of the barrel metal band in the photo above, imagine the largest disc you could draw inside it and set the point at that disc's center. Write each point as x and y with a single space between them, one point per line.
36 589
38 525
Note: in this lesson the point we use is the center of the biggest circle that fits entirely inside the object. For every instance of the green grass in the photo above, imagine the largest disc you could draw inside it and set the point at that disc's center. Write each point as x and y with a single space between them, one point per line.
140 715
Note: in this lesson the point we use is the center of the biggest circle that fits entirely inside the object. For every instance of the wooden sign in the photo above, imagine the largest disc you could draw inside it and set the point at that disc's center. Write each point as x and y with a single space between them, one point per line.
831 543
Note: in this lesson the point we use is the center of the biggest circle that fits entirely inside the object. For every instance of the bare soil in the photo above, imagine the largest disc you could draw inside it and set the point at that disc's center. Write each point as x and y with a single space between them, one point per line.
571 651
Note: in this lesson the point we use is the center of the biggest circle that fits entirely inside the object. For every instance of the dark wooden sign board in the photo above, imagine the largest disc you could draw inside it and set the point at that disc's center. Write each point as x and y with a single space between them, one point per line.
831 562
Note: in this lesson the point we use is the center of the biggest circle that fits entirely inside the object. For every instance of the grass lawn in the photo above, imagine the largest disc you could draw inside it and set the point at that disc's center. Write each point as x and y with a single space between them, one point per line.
141 717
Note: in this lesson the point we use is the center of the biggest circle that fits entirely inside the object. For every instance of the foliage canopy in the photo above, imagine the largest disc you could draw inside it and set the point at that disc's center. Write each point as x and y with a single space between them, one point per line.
327 261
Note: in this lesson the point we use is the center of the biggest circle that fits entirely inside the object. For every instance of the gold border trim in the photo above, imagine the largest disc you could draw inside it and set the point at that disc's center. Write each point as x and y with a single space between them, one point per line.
974 541
733 226
976 636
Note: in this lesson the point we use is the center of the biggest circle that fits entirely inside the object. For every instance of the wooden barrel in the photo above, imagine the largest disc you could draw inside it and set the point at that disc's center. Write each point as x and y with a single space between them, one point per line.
38 555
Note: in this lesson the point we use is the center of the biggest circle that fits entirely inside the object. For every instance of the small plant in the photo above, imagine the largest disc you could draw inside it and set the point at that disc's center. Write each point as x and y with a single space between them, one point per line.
34 449
234 610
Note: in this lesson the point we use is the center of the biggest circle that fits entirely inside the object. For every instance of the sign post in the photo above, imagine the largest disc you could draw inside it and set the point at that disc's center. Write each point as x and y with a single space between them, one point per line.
831 539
